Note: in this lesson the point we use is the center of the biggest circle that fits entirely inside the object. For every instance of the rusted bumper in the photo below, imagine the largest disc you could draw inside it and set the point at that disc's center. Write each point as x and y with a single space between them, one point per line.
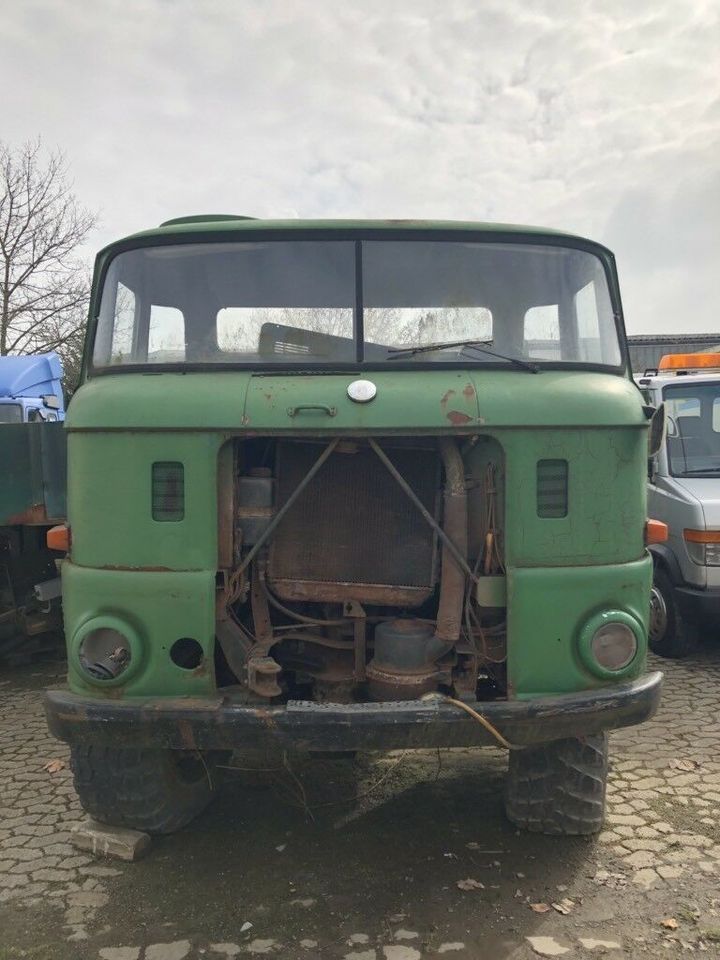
221 724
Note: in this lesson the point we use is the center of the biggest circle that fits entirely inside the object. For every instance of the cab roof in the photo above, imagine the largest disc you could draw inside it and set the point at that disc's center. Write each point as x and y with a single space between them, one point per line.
33 376
202 226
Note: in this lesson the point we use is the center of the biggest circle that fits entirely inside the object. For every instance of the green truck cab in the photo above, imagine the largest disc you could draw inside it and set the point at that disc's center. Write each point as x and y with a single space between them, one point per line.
353 485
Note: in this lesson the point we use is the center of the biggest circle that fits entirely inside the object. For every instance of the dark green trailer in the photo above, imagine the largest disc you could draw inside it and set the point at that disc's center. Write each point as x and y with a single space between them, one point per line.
32 499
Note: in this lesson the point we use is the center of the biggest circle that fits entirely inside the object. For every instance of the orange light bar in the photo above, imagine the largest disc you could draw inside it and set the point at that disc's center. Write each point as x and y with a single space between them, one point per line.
58 538
689 361
702 536
656 531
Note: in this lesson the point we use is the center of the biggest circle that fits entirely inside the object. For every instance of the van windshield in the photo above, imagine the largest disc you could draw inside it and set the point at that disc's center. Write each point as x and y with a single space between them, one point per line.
330 303
693 429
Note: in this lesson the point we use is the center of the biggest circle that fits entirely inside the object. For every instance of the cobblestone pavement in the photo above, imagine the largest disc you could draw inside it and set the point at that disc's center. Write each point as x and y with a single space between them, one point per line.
375 879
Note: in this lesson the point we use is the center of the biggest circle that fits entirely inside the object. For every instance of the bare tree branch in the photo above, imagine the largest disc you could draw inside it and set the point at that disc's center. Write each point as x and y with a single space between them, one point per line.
44 286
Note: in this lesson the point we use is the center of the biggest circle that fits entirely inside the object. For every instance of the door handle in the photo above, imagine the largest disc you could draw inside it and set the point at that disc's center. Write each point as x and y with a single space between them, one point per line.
294 411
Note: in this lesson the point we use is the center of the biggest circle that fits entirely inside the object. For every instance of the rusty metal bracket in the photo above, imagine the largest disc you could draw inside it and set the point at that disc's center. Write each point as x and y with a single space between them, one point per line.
262 670
234 643
261 616
262 676
357 614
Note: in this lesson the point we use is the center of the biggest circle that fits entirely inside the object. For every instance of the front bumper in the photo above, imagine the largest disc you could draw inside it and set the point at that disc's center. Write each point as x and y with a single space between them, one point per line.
699 605
220 724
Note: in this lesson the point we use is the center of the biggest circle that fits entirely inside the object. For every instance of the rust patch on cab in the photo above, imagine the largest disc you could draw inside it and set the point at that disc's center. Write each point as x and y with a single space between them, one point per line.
458 419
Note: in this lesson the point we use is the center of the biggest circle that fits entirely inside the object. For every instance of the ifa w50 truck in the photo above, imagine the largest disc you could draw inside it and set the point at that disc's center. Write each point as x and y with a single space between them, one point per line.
340 486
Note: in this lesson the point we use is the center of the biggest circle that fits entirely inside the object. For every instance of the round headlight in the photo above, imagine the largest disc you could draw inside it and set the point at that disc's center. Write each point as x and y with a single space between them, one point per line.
614 646
610 643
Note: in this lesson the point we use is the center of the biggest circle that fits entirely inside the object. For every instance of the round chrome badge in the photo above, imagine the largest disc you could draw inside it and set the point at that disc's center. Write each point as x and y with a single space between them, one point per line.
362 391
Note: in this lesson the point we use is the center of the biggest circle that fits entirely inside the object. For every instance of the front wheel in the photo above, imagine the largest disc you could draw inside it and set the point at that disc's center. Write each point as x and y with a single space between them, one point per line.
156 791
670 635
559 787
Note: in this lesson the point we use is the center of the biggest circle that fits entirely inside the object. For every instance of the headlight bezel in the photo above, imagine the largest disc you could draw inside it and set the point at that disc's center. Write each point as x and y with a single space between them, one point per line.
593 626
105 622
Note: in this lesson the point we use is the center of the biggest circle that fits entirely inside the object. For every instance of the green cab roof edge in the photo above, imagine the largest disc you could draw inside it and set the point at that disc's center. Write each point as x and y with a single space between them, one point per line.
210 226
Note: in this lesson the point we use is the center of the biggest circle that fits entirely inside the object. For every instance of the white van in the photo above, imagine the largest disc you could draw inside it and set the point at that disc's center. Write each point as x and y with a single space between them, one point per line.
684 493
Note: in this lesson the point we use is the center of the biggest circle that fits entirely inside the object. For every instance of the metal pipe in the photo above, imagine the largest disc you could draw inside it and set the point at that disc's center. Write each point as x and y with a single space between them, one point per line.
272 526
452 572
310 621
447 542
234 641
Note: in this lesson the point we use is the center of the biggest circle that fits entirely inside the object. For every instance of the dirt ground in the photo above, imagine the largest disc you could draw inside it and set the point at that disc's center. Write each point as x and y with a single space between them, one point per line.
366 859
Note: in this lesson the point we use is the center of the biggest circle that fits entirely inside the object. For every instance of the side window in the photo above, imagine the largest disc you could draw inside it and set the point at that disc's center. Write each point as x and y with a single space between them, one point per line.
123 325
34 415
166 335
541 333
588 324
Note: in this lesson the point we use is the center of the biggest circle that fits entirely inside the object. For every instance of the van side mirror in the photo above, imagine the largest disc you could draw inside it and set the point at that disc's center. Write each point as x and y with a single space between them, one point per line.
51 401
656 434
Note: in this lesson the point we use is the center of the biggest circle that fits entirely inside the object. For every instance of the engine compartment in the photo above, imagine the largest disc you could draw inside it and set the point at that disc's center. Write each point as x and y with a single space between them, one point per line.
357 569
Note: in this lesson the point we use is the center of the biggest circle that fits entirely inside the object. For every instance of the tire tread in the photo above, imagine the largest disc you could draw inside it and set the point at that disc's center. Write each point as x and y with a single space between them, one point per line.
559 787
137 788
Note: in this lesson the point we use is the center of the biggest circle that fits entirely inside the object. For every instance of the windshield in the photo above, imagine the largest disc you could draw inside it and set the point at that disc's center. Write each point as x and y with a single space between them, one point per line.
297 302
10 413
693 429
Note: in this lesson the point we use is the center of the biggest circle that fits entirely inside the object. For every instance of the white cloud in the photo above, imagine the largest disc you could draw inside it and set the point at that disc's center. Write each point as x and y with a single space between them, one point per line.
602 119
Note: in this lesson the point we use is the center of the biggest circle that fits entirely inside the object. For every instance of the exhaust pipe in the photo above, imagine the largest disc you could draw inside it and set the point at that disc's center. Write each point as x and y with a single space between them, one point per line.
452 575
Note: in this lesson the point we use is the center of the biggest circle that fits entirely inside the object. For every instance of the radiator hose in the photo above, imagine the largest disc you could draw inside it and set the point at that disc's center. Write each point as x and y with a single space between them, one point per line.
452 576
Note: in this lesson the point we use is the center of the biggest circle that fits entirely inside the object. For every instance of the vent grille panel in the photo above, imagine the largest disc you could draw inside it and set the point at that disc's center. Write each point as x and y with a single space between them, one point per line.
168 491
552 488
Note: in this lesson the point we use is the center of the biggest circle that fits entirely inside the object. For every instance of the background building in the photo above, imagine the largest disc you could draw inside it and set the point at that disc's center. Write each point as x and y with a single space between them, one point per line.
646 349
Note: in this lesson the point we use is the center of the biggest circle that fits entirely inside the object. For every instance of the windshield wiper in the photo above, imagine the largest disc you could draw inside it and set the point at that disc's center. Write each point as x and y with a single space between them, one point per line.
479 345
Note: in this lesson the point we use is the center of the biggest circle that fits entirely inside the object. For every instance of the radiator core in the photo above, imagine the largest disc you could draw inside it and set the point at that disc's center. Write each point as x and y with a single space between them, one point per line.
353 533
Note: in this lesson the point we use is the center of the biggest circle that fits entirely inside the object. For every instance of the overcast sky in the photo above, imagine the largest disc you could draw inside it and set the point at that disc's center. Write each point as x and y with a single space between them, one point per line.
602 118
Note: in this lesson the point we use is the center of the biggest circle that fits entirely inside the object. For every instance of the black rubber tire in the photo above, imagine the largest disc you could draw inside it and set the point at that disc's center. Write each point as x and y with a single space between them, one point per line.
679 638
156 791
559 787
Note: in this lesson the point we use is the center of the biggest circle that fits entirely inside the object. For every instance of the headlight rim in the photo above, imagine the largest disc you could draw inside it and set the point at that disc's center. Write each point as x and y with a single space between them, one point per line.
605 618
111 622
